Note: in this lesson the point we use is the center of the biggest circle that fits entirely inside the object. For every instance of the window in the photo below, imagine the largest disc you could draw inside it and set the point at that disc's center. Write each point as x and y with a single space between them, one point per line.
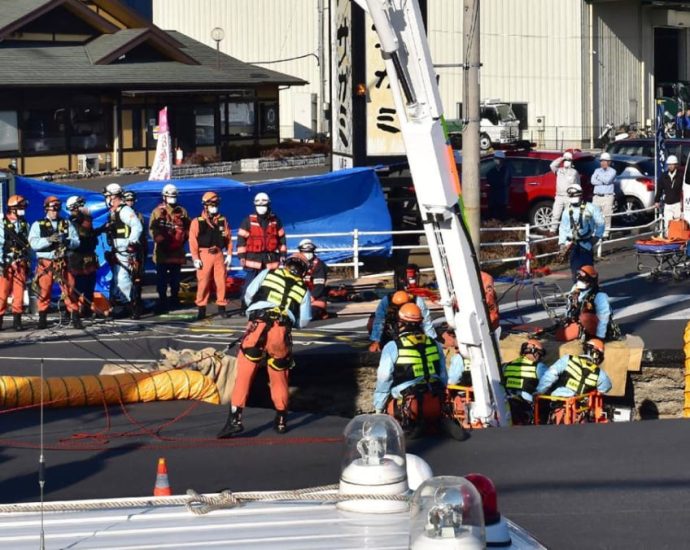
525 167
89 128
9 135
205 125
151 124
489 114
44 131
238 118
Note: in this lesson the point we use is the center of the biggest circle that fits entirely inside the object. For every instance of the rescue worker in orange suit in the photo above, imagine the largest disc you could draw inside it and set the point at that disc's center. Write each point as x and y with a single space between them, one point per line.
590 307
82 261
277 300
315 278
14 242
261 242
139 263
385 321
412 377
51 238
169 228
211 247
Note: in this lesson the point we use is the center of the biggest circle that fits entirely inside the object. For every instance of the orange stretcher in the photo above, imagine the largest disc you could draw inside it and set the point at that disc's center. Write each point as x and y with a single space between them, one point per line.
579 409
459 400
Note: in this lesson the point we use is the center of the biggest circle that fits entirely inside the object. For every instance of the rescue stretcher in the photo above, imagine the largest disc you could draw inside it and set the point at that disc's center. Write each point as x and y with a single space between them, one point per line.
553 300
662 257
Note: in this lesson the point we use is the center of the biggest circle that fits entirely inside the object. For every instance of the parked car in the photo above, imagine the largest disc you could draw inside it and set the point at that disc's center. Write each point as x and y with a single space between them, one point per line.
533 187
645 148
634 187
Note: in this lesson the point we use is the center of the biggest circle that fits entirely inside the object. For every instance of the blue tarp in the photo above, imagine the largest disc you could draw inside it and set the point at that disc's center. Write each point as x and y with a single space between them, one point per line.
337 202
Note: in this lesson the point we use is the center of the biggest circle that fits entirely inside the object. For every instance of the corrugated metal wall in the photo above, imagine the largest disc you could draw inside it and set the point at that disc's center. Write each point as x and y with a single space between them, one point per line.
258 30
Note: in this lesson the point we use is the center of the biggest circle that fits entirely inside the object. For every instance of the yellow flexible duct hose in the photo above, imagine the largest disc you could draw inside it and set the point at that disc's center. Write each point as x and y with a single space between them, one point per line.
80 391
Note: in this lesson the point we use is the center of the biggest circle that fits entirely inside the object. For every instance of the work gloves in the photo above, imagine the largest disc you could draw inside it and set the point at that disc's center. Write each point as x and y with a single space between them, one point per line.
198 264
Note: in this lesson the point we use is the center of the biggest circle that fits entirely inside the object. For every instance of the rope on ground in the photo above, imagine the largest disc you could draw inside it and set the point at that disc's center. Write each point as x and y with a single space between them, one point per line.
200 504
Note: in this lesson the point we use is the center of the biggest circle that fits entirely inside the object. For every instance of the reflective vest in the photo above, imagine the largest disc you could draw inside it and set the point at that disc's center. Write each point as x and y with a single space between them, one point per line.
521 375
212 235
418 357
581 375
46 227
118 229
315 265
260 239
281 288
16 242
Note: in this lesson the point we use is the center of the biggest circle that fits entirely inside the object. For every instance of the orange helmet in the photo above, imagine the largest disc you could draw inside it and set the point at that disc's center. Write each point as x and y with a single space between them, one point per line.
400 298
595 349
51 200
16 201
533 347
587 273
210 197
410 313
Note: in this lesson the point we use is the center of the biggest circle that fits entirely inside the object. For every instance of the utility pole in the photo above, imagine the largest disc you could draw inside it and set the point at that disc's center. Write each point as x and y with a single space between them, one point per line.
470 135
321 125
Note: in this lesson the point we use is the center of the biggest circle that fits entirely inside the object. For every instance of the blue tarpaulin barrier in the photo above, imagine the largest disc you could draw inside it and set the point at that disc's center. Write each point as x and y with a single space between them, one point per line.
337 202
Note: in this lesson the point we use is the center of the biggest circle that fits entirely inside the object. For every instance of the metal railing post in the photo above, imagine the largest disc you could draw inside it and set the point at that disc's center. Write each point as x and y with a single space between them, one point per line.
355 252
599 245
528 252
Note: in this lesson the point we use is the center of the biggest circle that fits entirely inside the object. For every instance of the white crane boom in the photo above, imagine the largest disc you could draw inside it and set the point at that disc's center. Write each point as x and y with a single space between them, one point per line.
405 50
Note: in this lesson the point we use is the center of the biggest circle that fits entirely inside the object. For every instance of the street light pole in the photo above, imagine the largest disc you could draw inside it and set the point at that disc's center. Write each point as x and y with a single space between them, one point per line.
217 34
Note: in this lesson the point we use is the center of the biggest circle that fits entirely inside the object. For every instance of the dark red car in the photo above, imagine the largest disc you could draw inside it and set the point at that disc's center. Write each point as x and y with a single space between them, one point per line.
533 187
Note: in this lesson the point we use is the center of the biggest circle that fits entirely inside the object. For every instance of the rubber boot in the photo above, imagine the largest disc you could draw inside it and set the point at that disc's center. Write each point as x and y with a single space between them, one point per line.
221 312
201 313
43 319
134 310
233 425
2 318
76 320
280 422
17 322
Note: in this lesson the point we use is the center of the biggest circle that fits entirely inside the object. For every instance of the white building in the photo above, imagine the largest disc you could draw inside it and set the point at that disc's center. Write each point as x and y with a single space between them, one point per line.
576 64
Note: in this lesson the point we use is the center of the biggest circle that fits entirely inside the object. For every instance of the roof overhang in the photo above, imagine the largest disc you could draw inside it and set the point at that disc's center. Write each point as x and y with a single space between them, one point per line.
154 39
74 6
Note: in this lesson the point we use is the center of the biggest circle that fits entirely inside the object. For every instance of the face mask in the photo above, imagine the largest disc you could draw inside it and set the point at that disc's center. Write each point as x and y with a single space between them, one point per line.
581 285
213 210
574 200
498 162
171 200
308 255
567 163
261 210
21 213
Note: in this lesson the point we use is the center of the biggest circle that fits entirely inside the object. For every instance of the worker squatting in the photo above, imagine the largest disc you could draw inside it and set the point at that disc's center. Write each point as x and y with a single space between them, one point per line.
65 250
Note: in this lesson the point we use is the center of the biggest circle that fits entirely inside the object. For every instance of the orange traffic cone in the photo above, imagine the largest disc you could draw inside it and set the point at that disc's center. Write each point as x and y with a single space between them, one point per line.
162 487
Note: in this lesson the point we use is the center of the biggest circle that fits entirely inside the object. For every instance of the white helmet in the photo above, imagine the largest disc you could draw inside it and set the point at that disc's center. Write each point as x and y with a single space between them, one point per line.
574 191
75 201
605 156
112 190
306 245
568 155
170 190
672 159
261 199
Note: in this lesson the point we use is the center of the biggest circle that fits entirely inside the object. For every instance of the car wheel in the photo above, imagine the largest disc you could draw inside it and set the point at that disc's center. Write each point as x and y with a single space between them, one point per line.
540 214
628 206
484 142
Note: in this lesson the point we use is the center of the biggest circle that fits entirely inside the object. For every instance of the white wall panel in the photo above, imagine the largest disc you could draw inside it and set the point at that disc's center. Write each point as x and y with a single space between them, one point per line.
256 30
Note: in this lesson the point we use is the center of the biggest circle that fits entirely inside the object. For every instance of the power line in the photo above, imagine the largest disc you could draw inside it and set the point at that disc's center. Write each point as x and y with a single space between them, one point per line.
283 60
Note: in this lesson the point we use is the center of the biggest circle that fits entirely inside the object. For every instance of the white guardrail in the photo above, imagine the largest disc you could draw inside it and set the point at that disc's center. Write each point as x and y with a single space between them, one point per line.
529 241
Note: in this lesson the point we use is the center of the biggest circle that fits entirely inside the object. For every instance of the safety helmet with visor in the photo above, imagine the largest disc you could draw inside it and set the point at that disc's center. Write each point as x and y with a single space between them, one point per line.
17 204
307 248
170 194
75 202
533 347
594 348
296 265
52 203
410 313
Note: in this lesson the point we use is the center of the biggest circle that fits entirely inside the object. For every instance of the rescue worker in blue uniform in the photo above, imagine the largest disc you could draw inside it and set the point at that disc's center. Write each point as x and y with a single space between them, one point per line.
385 319
412 377
577 374
124 233
590 307
581 228
521 377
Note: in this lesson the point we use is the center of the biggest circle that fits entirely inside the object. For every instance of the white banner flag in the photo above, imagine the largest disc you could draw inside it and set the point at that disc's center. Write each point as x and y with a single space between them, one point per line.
162 164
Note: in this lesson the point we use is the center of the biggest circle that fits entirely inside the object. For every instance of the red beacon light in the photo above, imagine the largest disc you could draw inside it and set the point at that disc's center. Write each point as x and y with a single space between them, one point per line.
497 533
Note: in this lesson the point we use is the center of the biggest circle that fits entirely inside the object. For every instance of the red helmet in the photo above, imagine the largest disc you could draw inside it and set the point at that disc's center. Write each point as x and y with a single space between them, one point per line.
410 313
